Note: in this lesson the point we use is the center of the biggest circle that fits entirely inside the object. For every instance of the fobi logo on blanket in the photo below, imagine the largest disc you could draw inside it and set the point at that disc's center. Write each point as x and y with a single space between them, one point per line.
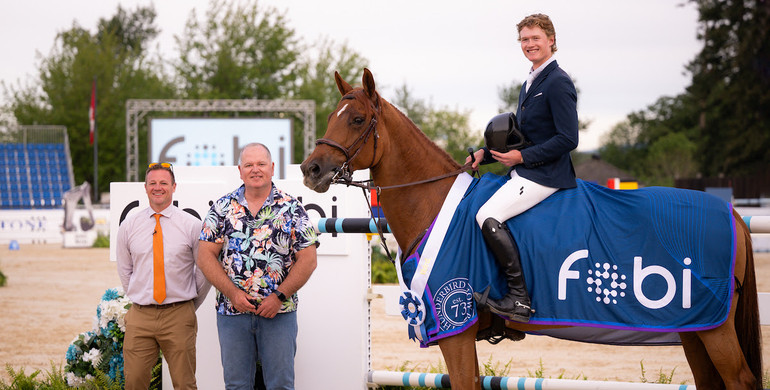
609 284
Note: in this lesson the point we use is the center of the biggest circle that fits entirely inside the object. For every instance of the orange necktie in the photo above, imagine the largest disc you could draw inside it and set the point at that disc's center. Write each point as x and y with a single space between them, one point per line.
158 275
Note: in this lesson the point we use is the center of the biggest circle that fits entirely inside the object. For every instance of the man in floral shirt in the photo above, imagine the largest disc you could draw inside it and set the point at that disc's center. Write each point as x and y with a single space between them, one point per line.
257 247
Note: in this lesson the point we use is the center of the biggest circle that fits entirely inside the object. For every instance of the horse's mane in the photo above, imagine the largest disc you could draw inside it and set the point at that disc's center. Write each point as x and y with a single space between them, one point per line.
421 134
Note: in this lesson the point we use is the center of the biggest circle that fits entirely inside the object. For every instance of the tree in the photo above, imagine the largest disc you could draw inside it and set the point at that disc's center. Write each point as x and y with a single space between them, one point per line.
670 158
450 129
315 79
620 147
731 84
237 52
724 111
657 144
115 56
509 96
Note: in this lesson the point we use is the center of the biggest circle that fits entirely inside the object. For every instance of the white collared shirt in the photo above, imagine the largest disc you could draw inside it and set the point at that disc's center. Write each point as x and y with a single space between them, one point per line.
533 73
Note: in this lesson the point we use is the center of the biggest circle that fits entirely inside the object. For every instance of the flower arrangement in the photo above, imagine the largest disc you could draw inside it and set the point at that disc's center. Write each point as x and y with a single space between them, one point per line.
100 349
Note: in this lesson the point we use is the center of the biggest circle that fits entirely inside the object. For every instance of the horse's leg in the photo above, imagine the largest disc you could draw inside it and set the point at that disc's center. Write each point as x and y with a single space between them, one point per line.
721 343
725 352
460 356
703 371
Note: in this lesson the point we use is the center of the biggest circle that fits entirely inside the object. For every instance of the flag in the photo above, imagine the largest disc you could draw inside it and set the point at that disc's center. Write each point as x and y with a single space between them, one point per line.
92 114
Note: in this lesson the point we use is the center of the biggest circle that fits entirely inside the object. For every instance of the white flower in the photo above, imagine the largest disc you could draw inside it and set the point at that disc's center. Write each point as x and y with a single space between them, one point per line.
74 381
114 310
94 356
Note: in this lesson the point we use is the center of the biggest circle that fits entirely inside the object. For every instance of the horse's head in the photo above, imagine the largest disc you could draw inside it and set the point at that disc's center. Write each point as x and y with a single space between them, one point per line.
350 142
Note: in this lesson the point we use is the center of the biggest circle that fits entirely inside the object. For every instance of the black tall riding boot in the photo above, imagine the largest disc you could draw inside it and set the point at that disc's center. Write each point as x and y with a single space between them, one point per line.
515 305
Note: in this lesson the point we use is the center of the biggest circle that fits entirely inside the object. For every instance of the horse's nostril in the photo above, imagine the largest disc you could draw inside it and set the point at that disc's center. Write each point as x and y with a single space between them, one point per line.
315 170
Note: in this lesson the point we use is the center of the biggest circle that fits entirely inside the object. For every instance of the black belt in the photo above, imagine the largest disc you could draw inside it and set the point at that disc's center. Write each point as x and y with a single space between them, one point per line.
165 306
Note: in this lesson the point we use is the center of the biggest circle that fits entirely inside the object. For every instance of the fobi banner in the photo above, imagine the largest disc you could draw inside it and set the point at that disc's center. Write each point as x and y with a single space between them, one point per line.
343 262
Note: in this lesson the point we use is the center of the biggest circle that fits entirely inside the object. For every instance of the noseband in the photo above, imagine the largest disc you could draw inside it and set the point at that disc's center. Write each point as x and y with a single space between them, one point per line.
343 174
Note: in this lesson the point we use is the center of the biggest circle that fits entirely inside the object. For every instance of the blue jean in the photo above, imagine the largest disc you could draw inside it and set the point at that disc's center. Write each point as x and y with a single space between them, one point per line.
246 338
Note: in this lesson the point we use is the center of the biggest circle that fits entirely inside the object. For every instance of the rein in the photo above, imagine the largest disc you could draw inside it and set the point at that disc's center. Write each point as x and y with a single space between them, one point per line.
346 179
365 185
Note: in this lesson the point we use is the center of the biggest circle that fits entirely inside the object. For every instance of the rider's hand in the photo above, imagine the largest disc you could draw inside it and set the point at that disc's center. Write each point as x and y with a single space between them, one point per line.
478 155
509 158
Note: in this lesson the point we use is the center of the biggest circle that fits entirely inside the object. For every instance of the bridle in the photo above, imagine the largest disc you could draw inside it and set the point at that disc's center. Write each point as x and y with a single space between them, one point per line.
343 175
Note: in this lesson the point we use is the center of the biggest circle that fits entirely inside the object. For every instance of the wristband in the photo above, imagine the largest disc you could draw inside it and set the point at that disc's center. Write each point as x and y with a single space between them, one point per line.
281 296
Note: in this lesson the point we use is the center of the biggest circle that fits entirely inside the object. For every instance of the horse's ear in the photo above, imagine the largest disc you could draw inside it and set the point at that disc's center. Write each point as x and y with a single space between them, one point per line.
369 88
343 86
368 82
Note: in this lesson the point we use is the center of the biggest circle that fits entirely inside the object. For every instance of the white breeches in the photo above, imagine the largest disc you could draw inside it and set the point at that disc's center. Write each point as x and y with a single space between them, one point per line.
513 198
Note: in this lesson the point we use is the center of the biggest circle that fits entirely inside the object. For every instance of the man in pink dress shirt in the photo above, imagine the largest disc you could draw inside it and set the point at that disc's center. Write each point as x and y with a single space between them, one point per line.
162 316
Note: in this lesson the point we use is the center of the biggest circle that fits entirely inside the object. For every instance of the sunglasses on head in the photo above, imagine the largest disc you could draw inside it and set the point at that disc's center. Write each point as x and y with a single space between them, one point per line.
161 165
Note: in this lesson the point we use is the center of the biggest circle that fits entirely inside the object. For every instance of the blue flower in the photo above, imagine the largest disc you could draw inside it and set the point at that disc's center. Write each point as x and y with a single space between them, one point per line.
111 294
72 353
116 365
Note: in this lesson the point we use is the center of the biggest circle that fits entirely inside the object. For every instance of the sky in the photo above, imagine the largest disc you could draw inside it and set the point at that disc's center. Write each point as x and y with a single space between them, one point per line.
454 54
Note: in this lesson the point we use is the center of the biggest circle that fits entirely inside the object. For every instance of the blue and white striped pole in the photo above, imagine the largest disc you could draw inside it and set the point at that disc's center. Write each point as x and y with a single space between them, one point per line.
756 224
441 381
352 225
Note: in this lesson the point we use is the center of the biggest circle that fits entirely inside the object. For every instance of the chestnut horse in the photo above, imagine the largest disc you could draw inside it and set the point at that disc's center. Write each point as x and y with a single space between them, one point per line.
415 175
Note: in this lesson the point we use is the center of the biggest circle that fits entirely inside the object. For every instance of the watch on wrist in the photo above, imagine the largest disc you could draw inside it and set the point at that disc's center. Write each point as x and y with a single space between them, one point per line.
281 296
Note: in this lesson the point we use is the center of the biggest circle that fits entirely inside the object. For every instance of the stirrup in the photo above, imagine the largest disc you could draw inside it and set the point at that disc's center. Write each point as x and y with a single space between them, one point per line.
512 316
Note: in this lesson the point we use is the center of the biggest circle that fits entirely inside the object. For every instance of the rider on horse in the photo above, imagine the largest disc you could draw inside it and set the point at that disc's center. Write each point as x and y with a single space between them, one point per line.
547 117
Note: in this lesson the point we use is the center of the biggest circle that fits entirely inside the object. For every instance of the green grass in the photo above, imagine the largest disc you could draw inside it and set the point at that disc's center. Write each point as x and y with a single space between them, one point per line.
662 378
540 373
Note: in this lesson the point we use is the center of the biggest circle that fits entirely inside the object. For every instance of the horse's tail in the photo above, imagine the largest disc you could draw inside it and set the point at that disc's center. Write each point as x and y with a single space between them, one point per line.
747 323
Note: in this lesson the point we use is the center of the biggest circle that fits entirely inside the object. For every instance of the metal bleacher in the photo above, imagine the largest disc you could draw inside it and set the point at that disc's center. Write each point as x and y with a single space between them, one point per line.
34 174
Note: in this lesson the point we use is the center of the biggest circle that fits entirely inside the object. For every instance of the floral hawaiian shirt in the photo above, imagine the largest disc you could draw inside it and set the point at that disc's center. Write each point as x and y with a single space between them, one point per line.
258 252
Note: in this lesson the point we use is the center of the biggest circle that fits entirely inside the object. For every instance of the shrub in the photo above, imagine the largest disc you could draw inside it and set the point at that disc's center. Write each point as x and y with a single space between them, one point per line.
383 271
100 350
102 241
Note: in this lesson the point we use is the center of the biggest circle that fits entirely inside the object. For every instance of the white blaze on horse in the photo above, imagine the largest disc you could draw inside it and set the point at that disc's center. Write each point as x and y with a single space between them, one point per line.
415 177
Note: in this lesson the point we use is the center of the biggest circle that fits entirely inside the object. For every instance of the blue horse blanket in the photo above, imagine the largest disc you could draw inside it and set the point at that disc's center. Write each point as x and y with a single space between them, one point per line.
616 262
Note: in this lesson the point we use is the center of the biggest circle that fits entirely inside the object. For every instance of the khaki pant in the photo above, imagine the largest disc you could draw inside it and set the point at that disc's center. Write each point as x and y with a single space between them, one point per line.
169 328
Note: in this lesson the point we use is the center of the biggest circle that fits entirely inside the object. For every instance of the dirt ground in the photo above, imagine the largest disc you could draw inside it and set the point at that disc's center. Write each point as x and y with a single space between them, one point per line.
52 293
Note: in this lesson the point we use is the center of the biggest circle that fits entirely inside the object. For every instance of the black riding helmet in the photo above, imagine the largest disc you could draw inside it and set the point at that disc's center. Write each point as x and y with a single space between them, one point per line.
502 133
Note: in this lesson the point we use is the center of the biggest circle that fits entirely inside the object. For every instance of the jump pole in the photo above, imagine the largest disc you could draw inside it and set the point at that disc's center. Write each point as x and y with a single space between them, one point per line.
441 381
756 224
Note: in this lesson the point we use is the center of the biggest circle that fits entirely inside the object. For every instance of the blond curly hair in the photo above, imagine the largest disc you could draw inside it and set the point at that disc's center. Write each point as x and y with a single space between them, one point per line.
542 21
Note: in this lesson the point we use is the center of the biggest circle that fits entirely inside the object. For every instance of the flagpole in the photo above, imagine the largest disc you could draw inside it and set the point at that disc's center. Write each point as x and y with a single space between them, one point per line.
96 149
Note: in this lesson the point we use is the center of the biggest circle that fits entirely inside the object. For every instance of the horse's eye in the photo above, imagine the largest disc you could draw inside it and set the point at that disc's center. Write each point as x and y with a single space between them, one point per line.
358 120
